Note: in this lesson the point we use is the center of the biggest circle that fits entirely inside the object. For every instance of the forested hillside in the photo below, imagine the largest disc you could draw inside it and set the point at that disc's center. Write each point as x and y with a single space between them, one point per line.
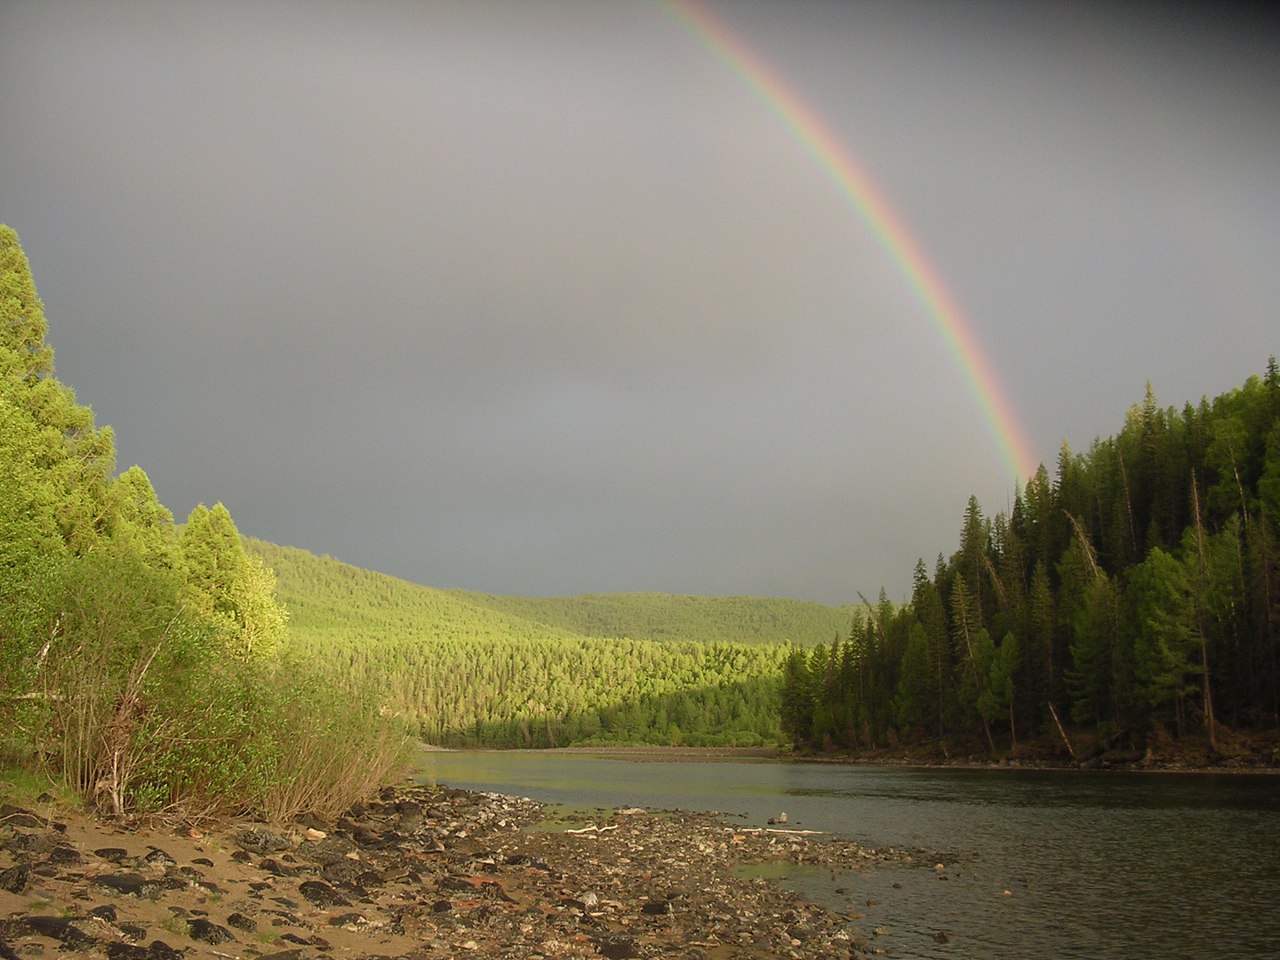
660 616
467 672
1130 602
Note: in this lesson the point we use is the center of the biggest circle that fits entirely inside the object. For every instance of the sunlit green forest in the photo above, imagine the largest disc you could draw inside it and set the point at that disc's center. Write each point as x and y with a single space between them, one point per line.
472 669
660 616
1129 603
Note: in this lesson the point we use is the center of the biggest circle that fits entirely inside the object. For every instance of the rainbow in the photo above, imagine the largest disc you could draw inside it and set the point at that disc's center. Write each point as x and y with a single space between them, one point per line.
889 230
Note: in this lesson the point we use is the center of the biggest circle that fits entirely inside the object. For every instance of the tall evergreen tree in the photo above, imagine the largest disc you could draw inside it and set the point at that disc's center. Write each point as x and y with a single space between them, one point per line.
1164 626
228 589
62 449
797 699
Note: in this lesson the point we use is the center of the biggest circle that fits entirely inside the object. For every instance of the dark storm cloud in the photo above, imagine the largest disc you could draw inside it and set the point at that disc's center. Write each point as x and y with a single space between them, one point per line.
538 298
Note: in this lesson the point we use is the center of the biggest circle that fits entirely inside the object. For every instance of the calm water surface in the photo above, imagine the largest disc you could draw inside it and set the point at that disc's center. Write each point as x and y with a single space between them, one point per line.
1096 865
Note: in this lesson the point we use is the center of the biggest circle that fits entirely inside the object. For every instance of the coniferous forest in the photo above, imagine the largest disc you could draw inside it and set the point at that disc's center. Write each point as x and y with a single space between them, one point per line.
1128 603
468 669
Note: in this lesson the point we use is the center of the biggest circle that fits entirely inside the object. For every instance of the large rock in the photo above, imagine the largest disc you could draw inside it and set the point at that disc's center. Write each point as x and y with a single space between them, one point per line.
241 922
158 950
61 929
14 880
129 885
618 946
322 895
209 932
11 816
262 841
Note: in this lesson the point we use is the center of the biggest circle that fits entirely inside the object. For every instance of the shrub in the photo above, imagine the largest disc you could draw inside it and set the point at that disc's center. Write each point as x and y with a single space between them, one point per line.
140 709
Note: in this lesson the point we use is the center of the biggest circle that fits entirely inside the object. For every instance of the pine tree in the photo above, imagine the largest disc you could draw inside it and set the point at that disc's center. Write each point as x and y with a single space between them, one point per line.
914 709
927 606
997 696
797 699
1046 655
1159 597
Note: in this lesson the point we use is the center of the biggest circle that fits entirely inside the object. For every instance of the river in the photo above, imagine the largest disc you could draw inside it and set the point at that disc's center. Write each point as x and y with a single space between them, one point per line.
1066 864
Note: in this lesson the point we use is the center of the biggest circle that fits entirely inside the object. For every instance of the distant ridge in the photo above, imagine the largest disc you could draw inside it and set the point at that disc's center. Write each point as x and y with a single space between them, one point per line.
472 669
664 617
319 588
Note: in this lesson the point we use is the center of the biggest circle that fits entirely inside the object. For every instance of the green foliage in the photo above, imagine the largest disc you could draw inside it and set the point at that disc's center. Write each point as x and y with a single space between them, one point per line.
916 697
136 667
465 670
230 591
64 461
998 695
1137 593
657 616
798 698
1159 596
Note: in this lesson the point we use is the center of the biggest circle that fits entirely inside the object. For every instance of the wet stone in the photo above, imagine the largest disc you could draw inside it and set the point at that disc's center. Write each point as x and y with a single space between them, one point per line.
65 856
410 812
263 841
311 822
355 890
158 858
276 868
14 880
209 932
455 883
111 854
330 850
60 929
321 894
348 920
618 947
341 870
370 839
158 950
129 885
11 816
241 922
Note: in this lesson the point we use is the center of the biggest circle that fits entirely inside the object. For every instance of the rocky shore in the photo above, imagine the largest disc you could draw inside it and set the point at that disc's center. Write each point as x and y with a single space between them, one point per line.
418 872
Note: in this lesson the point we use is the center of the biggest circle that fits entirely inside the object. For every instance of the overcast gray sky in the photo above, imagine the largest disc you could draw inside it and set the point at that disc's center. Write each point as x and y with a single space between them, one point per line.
541 298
